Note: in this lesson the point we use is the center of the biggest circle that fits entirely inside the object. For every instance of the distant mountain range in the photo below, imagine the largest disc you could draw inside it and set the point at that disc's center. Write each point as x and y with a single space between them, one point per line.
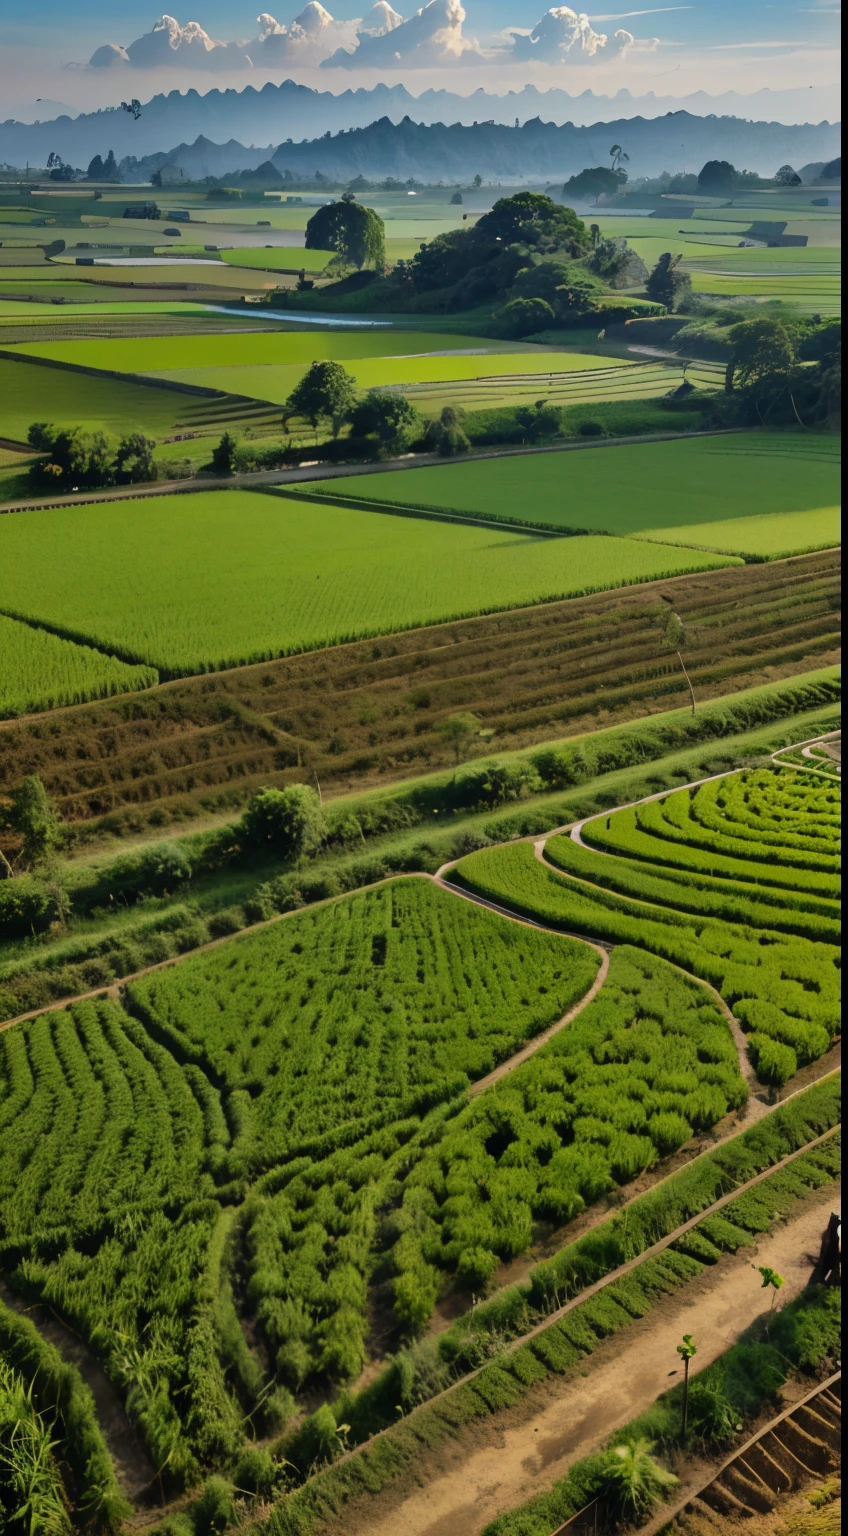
537 151
279 112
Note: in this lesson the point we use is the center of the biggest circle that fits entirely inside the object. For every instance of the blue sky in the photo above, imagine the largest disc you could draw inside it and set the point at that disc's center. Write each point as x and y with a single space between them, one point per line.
713 45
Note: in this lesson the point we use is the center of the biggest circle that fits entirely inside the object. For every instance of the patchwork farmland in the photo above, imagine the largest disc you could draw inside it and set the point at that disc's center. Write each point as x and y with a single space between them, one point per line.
419 834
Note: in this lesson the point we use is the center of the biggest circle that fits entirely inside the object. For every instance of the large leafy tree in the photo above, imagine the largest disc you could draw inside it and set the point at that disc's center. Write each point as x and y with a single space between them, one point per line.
355 232
31 815
763 354
385 414
717 178
326 390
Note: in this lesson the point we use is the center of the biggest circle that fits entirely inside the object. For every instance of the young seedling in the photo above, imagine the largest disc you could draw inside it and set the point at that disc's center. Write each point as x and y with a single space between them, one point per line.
686 1350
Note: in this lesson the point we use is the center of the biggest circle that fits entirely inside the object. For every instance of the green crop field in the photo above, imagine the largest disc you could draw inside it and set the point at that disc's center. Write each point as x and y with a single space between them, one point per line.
630 489
279 347
33 392
492 379
41 671
373 1013
769 536
363 1013
218 578
737 883
286 258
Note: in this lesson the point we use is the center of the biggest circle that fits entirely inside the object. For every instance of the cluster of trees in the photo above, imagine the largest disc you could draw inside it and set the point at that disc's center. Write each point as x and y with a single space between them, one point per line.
718 178
71 458
327 392
769 371
103 170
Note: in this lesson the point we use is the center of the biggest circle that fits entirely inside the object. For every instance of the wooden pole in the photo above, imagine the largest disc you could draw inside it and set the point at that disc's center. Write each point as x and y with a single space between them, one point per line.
686 675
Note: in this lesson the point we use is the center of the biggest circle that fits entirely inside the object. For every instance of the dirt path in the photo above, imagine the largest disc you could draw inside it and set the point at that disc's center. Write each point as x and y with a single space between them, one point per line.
133 1467
494 1467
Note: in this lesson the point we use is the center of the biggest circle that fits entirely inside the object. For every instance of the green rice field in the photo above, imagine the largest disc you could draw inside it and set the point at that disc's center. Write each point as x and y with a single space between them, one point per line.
42 671
655 490
211 579
165 354
500 377
31 392
769 537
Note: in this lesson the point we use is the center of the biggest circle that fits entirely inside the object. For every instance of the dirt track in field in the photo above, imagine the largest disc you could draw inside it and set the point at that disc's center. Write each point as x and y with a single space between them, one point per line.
492 1468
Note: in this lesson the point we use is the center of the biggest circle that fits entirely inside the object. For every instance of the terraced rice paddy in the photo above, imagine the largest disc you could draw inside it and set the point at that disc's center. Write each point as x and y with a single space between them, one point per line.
736 881
218 578
778 492
369 714
33 392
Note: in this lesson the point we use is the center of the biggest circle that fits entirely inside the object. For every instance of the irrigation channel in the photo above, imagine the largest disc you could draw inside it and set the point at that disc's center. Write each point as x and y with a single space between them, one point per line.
131 1460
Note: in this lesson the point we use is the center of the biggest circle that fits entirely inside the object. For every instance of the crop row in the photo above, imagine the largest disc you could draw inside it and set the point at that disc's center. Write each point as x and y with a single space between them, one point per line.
482 1332
372 708
42 671
649 1061
357 1013
558 1350
783 988
56 1391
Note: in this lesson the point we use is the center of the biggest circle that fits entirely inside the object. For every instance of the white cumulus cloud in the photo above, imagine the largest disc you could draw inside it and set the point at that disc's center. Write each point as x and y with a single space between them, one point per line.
565 35
430 39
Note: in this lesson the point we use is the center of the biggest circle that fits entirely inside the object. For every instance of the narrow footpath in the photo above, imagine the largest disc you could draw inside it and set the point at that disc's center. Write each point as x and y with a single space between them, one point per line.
494 1466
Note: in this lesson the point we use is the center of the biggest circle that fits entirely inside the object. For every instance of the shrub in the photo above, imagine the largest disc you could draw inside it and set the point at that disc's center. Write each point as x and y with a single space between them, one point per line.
214 1509
590 429
291 821
255 1473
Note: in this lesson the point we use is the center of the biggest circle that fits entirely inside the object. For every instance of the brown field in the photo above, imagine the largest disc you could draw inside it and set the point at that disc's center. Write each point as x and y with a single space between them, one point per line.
369 712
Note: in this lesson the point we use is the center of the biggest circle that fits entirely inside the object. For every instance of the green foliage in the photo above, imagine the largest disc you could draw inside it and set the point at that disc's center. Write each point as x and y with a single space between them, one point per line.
595 181
763 353
77 460
386 414
531 218
326 390
291 821
59 1407
214 1510
134 459
224 454
761 846
634 1482
33 818
355 232
255 1473
668 284
712 1416
523 317
32 1501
